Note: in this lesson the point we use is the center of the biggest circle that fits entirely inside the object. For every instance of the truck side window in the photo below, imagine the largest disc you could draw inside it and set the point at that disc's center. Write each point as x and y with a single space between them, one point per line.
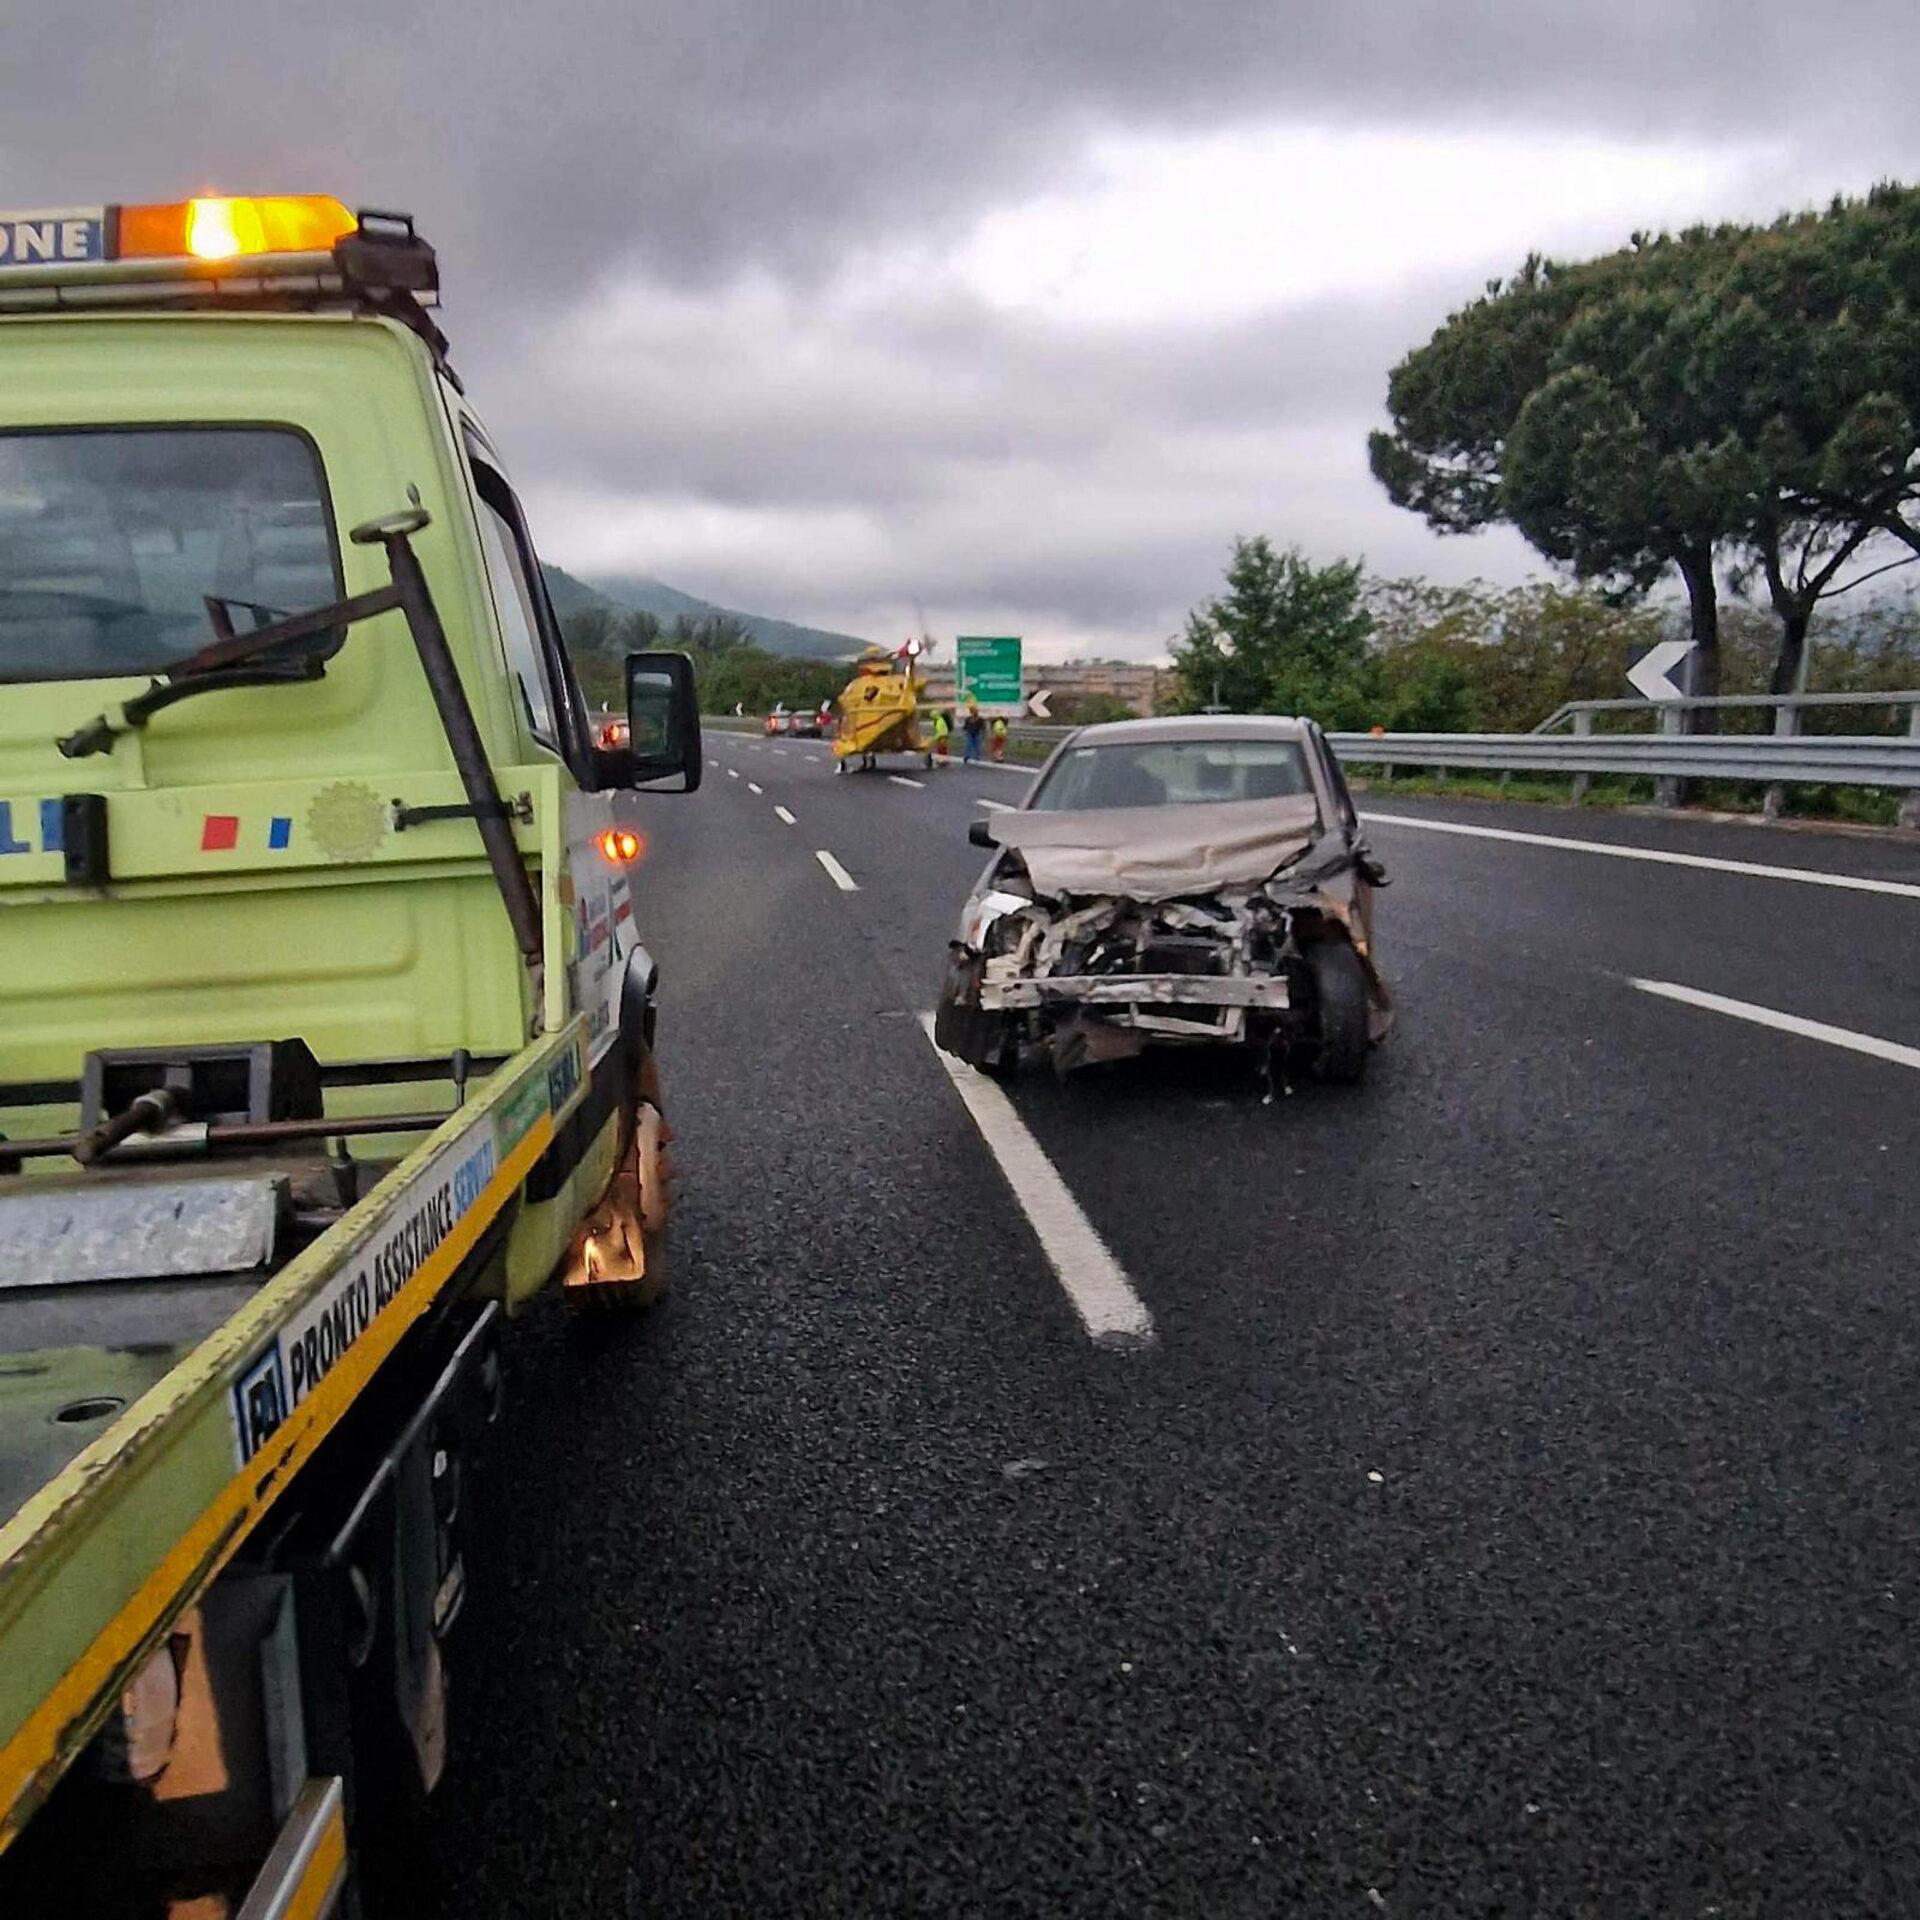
513 594
536 654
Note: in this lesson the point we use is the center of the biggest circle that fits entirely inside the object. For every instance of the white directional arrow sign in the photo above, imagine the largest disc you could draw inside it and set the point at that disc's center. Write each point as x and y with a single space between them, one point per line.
1037 703
1648 674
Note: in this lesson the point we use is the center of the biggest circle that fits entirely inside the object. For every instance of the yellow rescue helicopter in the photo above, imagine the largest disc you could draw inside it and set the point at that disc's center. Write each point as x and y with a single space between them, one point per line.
879 709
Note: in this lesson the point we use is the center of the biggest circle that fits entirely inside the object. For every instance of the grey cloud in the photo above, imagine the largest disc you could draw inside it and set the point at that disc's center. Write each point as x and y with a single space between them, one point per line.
557 153
695 134
890 405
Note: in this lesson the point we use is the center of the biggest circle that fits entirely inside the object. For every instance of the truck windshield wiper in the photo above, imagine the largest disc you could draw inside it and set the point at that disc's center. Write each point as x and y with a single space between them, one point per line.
229 660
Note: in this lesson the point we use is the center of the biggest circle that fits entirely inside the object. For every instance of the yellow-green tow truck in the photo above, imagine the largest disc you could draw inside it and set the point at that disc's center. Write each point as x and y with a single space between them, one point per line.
325 1035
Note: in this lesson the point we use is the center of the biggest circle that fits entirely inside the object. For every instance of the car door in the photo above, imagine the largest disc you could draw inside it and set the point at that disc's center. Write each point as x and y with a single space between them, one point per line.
1346 820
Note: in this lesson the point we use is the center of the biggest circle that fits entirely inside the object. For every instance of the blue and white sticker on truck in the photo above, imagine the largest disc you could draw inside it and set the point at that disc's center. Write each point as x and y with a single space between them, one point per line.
66 237
325 1329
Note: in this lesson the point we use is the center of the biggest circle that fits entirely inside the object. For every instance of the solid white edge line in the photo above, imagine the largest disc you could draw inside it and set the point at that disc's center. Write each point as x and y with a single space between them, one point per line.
1792 1023
840 877
785 815
753 786
901 780
997 806
1753 869
1094 1281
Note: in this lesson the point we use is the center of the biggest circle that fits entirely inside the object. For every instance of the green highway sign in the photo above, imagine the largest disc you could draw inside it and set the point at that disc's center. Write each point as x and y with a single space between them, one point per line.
988 669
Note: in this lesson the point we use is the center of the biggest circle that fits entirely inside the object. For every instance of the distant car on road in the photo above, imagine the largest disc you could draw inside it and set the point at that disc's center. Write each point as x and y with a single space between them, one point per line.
1196 881
779 721
807 721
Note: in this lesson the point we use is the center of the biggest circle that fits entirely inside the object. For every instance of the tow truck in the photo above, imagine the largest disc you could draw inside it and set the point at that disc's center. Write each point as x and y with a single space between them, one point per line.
326 1036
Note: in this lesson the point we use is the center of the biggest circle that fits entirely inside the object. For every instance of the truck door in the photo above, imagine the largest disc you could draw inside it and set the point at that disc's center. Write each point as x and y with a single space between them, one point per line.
554 715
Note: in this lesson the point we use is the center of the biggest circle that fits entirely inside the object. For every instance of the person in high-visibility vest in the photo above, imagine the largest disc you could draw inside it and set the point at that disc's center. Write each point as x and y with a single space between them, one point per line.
997 737
942 731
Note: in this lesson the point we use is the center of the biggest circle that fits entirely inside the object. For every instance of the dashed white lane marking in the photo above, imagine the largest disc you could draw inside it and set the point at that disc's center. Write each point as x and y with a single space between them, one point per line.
733 773
753 786
1785 1022
711 761
996 806
784 815
781 751
1753 869
1102 1295
836 872
901 780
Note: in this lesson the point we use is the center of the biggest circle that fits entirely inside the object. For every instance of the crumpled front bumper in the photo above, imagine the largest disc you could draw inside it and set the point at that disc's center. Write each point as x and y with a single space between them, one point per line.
1117 992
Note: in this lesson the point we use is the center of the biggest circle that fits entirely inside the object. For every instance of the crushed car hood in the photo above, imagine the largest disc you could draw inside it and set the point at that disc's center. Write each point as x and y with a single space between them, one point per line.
1158 853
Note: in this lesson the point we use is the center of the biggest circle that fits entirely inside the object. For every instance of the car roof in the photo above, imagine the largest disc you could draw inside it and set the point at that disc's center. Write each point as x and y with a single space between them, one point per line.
1194 726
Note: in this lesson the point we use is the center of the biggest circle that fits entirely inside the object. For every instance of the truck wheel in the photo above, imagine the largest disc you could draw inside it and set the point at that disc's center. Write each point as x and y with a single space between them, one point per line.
1338 1048
619 1257
655 1171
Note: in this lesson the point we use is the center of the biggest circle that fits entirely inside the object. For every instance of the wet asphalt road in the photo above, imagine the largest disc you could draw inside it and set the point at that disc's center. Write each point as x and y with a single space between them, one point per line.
1516 1512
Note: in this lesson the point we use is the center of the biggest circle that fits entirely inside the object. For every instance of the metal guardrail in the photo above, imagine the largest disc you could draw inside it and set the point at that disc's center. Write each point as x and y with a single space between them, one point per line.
1865 760
1786 707
1785 757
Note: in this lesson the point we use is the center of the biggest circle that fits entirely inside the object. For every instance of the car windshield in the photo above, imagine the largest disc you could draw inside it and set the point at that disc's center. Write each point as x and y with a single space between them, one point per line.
111 542
1172 773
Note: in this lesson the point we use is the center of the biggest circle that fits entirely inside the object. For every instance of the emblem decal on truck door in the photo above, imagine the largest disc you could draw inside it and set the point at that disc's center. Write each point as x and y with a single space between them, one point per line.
347 821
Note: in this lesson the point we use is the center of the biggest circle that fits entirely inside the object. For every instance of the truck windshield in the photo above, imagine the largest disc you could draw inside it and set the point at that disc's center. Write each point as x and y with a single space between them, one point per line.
111 540
1167 773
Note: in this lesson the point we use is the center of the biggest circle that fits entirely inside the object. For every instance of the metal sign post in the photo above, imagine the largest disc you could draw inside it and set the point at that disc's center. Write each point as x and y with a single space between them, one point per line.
1652 675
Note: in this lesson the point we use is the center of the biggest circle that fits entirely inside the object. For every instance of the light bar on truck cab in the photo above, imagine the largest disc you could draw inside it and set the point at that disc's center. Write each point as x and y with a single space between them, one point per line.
218 244
231 229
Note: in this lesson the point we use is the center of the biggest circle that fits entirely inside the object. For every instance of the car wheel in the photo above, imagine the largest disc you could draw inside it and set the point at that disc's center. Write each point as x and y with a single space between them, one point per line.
1338 1050
985 1041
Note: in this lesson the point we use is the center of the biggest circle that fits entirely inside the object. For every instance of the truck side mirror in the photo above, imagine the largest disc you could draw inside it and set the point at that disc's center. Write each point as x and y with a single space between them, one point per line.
663 720
980 834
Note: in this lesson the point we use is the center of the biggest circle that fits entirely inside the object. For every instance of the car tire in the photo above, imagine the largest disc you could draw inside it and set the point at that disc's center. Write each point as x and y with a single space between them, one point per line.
1339 1045
985 1041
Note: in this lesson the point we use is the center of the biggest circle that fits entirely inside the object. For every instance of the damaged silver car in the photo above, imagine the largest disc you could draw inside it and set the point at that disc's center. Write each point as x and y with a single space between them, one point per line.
1199 881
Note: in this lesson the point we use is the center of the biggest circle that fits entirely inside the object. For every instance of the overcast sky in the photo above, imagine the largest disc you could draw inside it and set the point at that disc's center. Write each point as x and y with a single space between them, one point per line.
1019 311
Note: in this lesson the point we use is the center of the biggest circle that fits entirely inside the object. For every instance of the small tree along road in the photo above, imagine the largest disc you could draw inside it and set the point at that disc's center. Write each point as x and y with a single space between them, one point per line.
1731 401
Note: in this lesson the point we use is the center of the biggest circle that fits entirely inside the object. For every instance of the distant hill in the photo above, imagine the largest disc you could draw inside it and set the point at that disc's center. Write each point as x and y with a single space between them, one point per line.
570 596
637 593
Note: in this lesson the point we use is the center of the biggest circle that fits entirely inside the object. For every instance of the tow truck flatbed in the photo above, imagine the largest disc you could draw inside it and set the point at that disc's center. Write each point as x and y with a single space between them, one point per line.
100 1558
